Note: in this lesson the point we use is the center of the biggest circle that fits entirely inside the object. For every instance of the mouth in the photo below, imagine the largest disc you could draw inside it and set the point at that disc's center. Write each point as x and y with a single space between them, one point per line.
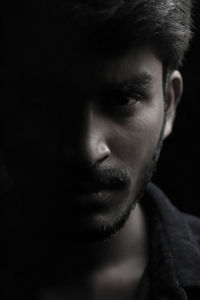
92 197
95 186
94 201
100 188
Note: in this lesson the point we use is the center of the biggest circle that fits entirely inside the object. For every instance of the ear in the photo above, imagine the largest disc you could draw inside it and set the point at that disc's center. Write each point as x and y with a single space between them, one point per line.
173 96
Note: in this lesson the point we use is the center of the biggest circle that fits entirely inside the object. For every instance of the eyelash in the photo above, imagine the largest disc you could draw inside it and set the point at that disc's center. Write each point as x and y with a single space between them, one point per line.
124 103
127 97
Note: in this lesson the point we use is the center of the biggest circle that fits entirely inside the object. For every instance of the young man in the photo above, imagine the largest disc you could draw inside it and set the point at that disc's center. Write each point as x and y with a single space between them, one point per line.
90 93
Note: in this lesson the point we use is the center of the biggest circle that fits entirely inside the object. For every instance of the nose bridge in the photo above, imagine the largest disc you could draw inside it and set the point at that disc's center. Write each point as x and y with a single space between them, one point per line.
88 143
94 139
93 128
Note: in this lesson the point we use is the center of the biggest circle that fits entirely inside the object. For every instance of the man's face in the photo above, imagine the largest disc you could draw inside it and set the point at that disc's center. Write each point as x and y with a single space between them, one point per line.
81 150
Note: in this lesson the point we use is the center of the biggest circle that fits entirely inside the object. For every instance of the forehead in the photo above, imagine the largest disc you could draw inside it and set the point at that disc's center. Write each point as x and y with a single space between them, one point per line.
87 69
81 70
135 62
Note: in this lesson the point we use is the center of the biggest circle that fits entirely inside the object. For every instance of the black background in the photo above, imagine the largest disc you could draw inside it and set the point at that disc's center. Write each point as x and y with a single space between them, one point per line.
179 165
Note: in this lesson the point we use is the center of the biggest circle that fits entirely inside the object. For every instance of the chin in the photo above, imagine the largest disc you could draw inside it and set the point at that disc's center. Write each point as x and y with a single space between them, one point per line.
101 227
88 226
93 230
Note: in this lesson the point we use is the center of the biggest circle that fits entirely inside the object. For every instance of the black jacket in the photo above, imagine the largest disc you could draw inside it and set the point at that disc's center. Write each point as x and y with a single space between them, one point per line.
174 249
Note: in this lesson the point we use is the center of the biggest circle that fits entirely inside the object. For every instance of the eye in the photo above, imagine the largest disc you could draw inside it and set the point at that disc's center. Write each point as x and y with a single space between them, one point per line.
126 99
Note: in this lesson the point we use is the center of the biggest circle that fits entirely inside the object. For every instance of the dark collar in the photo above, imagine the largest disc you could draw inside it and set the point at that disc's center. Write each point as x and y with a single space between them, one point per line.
174 245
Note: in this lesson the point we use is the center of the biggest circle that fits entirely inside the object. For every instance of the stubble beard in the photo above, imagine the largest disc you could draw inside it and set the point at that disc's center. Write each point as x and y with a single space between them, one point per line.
144 178
106 231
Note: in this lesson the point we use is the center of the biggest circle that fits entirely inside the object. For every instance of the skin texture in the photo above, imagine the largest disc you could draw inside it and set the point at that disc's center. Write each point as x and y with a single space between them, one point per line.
77 136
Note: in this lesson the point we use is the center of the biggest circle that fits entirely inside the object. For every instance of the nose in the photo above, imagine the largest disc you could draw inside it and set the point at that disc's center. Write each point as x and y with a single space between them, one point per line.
88 144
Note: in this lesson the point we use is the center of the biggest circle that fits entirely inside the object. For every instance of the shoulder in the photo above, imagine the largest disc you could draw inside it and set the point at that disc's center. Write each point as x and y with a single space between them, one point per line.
177 224
193 223
177 236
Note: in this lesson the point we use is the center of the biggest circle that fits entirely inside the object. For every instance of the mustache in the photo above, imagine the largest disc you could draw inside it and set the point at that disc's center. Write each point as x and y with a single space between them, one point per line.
95 178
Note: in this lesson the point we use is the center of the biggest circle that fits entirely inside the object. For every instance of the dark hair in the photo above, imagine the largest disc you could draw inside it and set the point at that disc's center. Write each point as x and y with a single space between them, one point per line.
114 26
110 27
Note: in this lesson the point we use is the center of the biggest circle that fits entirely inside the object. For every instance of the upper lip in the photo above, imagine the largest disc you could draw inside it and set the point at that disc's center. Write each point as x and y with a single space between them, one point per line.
83 183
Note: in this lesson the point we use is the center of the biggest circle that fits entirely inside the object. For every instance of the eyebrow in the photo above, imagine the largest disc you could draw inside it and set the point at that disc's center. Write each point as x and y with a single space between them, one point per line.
137 81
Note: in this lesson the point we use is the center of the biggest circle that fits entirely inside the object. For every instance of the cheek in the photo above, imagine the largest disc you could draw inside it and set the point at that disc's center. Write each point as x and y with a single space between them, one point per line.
134 142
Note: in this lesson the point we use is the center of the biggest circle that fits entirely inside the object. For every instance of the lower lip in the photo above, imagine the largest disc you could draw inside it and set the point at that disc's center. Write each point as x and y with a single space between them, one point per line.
94 199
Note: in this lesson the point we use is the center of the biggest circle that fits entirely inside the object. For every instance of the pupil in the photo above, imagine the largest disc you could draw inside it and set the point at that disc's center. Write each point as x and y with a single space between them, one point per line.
123 100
